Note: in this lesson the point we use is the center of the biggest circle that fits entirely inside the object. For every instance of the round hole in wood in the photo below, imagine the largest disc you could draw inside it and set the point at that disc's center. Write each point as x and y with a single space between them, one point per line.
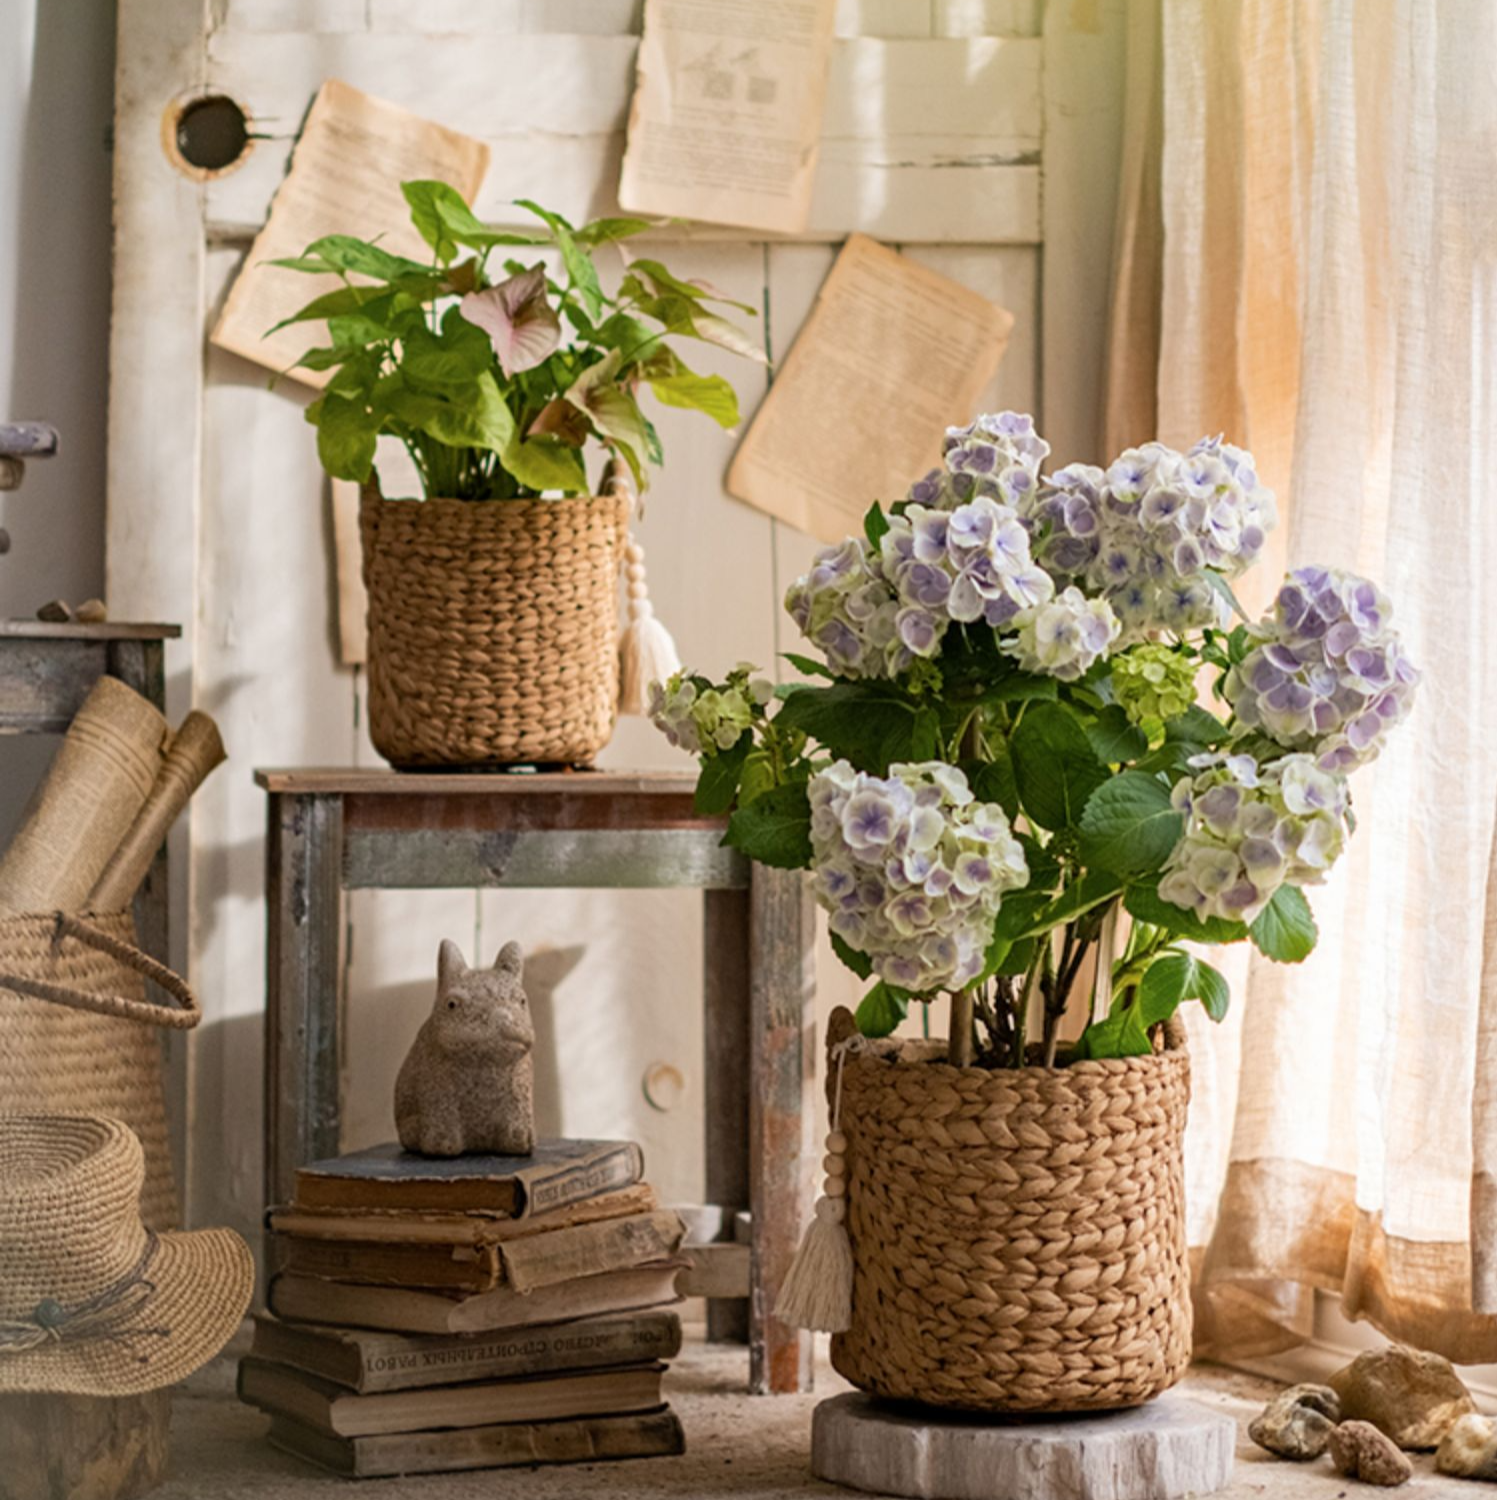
207 135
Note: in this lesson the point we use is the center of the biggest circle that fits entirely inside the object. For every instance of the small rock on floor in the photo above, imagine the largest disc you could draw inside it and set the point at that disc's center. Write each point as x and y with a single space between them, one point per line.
1298 1422
1469 1450
1360 1451
1412 1397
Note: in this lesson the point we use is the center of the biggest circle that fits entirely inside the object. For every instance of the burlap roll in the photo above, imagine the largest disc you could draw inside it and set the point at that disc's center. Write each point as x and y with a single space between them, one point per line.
1018 1236
493 628
77 1034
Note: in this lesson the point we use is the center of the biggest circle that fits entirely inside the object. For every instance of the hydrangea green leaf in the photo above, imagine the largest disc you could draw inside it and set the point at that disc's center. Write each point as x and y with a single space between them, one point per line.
881 1011
774 829
1285 929
1128 825
1054 765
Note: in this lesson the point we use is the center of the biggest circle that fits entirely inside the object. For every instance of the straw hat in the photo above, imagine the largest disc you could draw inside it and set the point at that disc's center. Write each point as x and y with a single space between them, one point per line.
92 1303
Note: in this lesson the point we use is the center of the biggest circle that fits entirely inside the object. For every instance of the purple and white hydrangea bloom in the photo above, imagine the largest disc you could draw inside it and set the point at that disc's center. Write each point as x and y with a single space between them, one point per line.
1328 674
964 565
1066 636
704 721
1250 829
912 868
670 710
997 456
1146 532
847 610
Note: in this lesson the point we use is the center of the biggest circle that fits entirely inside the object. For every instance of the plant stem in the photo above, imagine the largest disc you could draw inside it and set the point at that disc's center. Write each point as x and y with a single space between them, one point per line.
1055 997
1073 955
1106 951
960 1047
1026 995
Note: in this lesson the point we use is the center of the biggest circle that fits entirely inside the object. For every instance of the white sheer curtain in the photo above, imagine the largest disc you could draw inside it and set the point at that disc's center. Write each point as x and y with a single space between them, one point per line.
1326 251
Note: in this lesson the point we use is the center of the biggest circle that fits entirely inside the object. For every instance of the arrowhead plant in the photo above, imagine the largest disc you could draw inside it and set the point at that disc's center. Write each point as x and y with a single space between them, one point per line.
500 376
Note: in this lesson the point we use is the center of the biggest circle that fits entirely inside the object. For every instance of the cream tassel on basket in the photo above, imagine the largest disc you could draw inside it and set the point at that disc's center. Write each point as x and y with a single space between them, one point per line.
646 651
817 1290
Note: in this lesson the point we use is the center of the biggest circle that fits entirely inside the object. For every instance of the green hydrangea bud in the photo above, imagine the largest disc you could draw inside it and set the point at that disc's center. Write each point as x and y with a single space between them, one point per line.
1153 682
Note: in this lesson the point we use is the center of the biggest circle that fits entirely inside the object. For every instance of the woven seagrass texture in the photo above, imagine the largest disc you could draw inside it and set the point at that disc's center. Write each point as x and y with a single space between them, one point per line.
1018 1236
58 1060
493 628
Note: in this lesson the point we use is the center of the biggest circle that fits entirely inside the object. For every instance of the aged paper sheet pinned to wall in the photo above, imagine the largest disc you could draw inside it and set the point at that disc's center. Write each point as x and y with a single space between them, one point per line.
727 111
892 355
353 154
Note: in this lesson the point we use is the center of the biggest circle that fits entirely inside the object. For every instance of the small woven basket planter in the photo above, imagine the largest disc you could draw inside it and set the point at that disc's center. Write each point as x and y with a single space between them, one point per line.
1018 1236
493 628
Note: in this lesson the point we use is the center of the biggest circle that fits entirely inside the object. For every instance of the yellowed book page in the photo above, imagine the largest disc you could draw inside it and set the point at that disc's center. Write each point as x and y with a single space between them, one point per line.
104 771
892 354
194 751
353 154
727 108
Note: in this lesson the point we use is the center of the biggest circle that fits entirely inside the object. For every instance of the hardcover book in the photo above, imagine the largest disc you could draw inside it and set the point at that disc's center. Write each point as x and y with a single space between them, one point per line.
559 1172
583 1440
369 1361
389 1226
308 1299
528 1263
339 1412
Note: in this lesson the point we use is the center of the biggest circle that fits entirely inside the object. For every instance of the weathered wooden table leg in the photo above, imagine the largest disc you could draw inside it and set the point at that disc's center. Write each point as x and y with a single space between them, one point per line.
304 868
782 927
725 1025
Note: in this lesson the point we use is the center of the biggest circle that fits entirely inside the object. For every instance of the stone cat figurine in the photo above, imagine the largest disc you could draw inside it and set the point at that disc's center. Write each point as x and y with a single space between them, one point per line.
467 1084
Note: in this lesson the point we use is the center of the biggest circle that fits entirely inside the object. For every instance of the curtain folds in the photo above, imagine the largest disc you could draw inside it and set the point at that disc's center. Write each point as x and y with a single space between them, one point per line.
1322 231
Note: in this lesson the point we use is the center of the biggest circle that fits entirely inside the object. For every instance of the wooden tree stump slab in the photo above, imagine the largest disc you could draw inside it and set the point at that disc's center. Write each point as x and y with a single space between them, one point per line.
1167 1450
83 1447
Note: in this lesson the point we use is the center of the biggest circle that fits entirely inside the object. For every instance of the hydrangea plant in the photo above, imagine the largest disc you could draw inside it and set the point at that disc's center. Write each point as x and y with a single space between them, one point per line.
498 378
1038 729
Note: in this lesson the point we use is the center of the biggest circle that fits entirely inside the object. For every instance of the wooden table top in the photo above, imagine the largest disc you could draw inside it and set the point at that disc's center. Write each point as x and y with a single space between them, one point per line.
107 630
363 781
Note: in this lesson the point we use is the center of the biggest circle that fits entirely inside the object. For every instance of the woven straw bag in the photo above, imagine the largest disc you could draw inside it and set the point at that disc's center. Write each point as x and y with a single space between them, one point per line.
493 628
1018 1236
77 1034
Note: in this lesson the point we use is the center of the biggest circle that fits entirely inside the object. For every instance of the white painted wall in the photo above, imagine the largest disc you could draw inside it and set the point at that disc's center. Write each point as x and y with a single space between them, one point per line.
56 115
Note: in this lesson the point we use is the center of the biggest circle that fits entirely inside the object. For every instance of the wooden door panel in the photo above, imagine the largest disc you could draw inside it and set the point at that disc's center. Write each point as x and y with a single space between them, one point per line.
942 119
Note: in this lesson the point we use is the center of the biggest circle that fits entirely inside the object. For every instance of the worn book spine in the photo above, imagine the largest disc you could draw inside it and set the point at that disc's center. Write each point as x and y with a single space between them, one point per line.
286 1392
591 1249
308 1300
525 1264
435 1267
589 1440
545 1189
385 1177
370 1362
394 1226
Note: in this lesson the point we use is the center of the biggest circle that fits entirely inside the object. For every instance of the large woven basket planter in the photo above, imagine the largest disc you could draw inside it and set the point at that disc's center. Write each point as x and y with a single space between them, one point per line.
79 1035
1019 1236
493 628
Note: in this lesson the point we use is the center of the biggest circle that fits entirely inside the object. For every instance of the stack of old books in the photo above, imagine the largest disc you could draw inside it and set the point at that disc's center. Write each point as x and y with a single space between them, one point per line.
485 1311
